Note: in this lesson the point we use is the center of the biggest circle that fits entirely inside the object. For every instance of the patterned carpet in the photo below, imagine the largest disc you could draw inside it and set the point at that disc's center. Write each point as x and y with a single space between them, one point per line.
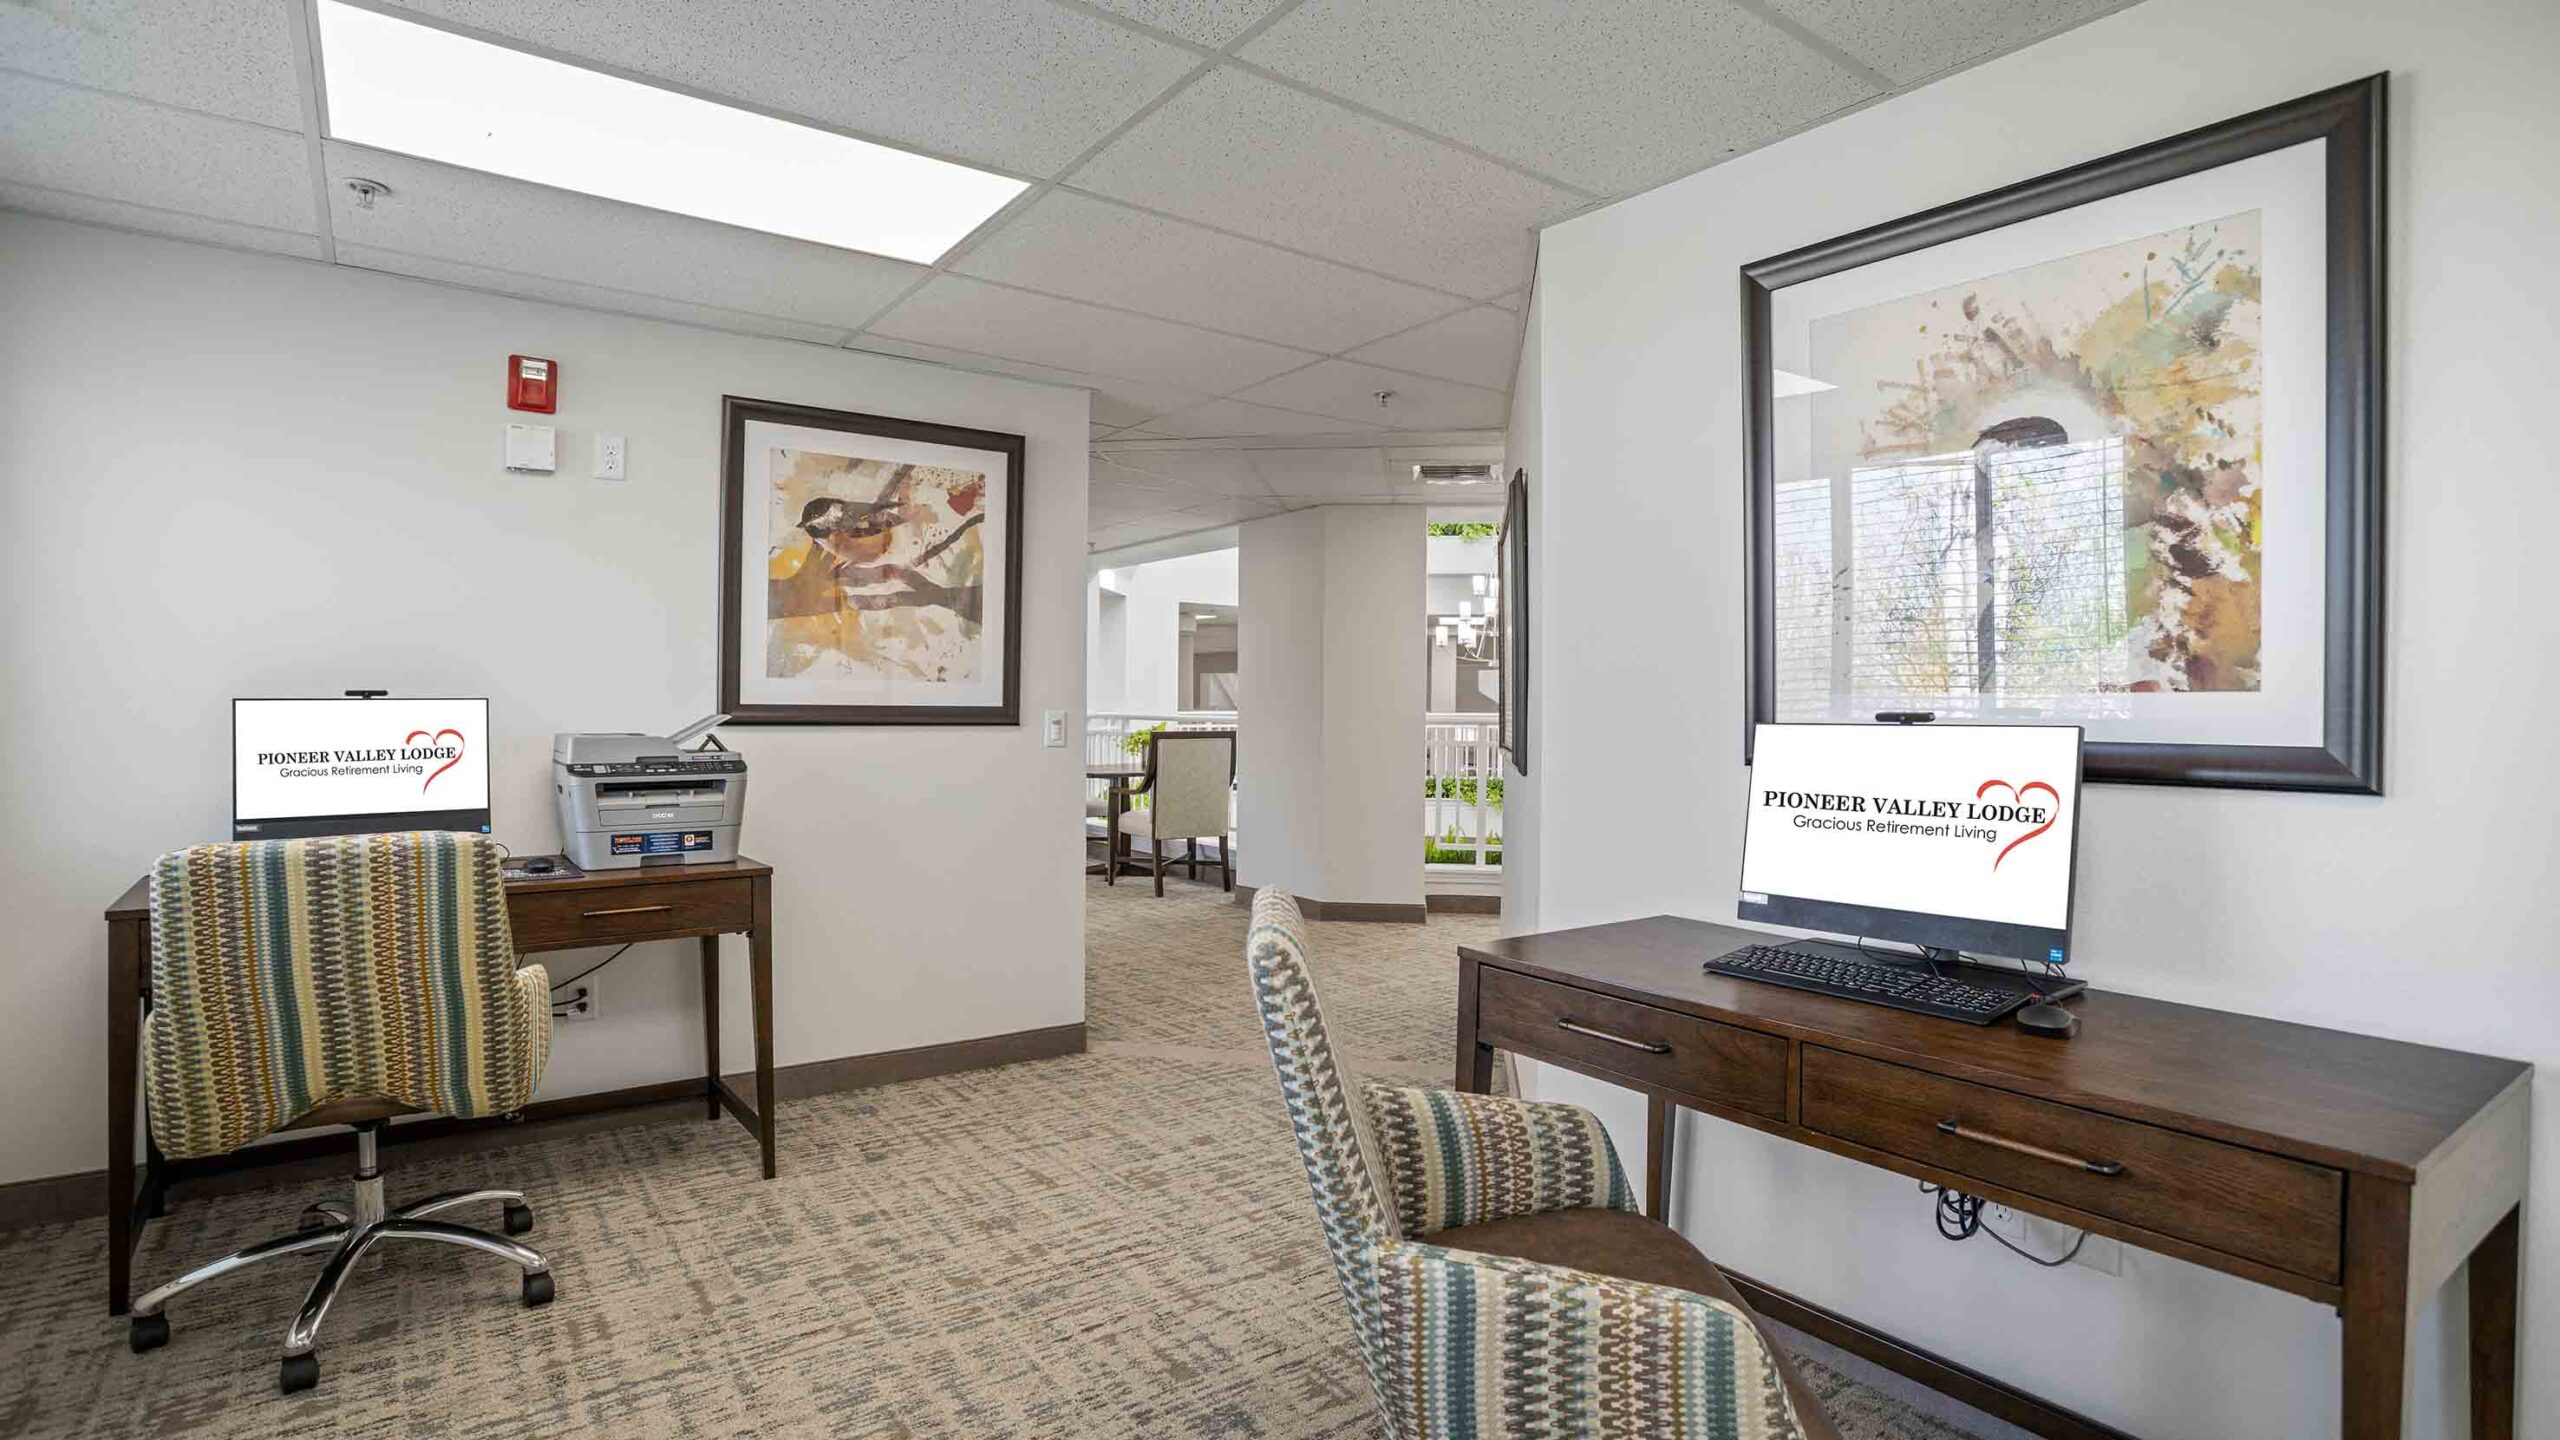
1112 1244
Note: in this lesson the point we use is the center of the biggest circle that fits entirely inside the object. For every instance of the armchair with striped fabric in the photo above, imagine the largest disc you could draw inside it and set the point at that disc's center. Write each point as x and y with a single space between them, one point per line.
1499 1279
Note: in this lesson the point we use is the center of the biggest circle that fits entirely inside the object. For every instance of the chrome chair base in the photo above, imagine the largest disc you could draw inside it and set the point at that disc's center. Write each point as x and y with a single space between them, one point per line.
347 1232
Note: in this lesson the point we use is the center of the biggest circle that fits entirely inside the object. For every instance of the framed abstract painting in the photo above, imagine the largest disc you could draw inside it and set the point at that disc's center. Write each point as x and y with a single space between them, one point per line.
2102 448
1511 563
870 569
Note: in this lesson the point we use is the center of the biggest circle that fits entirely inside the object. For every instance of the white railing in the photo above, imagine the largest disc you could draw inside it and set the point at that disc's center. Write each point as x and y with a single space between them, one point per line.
1461 777
1462 793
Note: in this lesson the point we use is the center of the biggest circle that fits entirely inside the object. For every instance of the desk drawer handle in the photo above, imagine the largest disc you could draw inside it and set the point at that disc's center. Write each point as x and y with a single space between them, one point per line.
625 910
1647 1046
1957 1128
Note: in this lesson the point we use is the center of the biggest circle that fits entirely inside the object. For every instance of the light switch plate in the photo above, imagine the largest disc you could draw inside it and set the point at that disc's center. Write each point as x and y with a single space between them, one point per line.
1053 729
609 457
533 449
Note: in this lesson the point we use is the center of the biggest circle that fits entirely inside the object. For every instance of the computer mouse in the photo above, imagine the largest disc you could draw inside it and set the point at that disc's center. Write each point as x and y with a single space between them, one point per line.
2049 1020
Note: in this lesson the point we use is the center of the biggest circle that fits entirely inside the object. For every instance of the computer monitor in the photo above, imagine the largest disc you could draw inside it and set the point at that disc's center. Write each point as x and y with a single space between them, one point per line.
358 767
1950 837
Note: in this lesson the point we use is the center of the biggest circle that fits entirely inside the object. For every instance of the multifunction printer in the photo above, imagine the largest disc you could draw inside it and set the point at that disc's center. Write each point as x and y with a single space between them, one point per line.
632 800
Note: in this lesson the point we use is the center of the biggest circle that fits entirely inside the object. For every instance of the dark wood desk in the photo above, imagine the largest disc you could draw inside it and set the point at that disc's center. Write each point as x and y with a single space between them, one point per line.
567 912
1122 777
2354 1171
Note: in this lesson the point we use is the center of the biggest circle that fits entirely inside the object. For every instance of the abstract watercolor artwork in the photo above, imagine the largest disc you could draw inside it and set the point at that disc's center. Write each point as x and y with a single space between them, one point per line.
2110 401
871 569
2101 448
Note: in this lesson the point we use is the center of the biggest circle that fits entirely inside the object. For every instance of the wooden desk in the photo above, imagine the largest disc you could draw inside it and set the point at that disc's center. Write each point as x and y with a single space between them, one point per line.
2354 1171
1122 776
601 907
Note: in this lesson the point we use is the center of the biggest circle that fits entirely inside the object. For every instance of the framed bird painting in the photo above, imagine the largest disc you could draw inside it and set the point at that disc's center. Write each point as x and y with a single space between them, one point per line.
871 569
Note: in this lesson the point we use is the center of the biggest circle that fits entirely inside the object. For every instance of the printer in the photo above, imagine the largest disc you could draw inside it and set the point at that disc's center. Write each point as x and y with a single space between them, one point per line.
633 800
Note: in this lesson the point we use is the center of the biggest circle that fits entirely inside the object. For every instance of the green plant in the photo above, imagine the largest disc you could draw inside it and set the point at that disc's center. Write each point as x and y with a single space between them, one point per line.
1460 787
1435 853
1465 529
1135 742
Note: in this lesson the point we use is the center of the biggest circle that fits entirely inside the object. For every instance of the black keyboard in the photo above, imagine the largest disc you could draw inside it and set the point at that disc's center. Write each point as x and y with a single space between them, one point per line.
1913 987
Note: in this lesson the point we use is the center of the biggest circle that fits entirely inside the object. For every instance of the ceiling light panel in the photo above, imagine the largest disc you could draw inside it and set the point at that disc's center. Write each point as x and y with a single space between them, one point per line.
396 85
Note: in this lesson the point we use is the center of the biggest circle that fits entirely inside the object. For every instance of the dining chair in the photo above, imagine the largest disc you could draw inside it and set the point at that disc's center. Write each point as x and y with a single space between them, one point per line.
1189 787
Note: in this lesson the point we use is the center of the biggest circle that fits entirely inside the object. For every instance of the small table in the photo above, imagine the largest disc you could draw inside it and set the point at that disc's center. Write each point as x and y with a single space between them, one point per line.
1122 776
550 912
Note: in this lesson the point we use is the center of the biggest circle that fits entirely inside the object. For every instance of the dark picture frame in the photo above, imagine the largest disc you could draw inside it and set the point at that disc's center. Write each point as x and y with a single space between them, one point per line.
1511 559
2350 119
736 412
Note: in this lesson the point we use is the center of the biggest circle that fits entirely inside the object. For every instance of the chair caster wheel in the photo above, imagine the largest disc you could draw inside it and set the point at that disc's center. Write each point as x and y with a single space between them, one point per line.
147 1332
537 1289
519 1220
298 1372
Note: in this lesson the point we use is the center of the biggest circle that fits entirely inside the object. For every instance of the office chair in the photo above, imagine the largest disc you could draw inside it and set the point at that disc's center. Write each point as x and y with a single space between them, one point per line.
1491 1257
337 982
1190 784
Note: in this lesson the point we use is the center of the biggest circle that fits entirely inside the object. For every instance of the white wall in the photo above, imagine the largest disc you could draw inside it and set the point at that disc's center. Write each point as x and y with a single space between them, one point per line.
237 475
2418 915
1524 807
1328 762
1145 654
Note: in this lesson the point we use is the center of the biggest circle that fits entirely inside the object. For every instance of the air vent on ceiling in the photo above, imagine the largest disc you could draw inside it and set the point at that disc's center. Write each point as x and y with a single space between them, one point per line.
1454 474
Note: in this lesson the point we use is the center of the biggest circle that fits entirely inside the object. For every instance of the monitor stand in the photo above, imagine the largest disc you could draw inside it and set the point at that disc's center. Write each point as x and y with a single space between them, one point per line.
1990 977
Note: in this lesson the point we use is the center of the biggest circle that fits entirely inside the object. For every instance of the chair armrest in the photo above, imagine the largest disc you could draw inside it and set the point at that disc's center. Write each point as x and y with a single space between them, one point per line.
1490 1344
1452 1158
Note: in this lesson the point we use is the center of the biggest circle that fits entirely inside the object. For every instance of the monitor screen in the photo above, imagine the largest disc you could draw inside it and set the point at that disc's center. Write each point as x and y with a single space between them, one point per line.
357 767
1961 837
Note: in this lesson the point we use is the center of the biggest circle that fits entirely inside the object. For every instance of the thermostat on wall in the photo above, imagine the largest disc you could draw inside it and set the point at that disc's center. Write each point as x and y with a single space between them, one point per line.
533 449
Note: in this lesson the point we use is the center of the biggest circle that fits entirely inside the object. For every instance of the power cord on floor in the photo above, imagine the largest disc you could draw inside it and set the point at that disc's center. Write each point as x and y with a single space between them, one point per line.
1960 1218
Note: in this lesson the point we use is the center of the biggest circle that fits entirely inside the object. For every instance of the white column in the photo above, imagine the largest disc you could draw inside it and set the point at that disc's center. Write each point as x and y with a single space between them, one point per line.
1329 759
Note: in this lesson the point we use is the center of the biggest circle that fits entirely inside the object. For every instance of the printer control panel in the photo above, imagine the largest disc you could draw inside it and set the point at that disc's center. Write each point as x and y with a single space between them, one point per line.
715 763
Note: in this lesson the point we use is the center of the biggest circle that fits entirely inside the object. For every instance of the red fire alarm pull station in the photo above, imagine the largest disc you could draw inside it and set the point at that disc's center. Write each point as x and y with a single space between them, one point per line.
532 384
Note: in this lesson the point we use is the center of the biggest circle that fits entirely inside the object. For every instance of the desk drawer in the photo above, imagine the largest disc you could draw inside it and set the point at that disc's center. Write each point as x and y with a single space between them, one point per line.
2235 1200
605 915
1719 1064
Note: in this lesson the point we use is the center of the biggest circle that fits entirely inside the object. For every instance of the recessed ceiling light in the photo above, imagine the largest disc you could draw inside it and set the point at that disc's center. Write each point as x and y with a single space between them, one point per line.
397 85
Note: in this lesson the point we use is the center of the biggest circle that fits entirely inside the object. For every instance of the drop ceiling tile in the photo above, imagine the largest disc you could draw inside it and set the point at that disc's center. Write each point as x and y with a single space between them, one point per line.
110 148
1511 301
1222 418
1220 512
88 210
1194 475
971 315
1909 43
570 292
1476 347
219 56
1021 84
1323 476
446 213
1205 22
1096 430
1253 156
1087 249
1349 390
1608 97
1107 503
1117 403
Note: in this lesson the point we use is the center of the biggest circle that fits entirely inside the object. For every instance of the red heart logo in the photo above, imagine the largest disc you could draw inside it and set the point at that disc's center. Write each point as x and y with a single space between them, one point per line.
2019 792
417 735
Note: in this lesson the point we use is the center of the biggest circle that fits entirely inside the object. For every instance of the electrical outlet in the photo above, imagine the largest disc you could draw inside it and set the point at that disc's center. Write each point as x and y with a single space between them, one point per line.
578 1002
609 457
2047 1238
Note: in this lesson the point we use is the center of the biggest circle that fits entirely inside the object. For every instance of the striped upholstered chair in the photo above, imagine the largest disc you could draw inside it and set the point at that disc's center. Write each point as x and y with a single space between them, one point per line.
1499 1279
337 982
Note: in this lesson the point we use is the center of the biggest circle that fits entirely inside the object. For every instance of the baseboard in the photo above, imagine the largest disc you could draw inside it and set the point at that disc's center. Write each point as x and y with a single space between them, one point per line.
324 1156
1463 904
1375 911
1992 1397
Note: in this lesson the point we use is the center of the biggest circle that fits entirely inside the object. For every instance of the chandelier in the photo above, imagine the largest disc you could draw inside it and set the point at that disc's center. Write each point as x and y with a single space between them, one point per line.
1475 631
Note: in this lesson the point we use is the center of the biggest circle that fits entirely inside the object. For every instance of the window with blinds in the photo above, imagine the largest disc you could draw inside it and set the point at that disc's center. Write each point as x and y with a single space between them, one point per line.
1997 572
